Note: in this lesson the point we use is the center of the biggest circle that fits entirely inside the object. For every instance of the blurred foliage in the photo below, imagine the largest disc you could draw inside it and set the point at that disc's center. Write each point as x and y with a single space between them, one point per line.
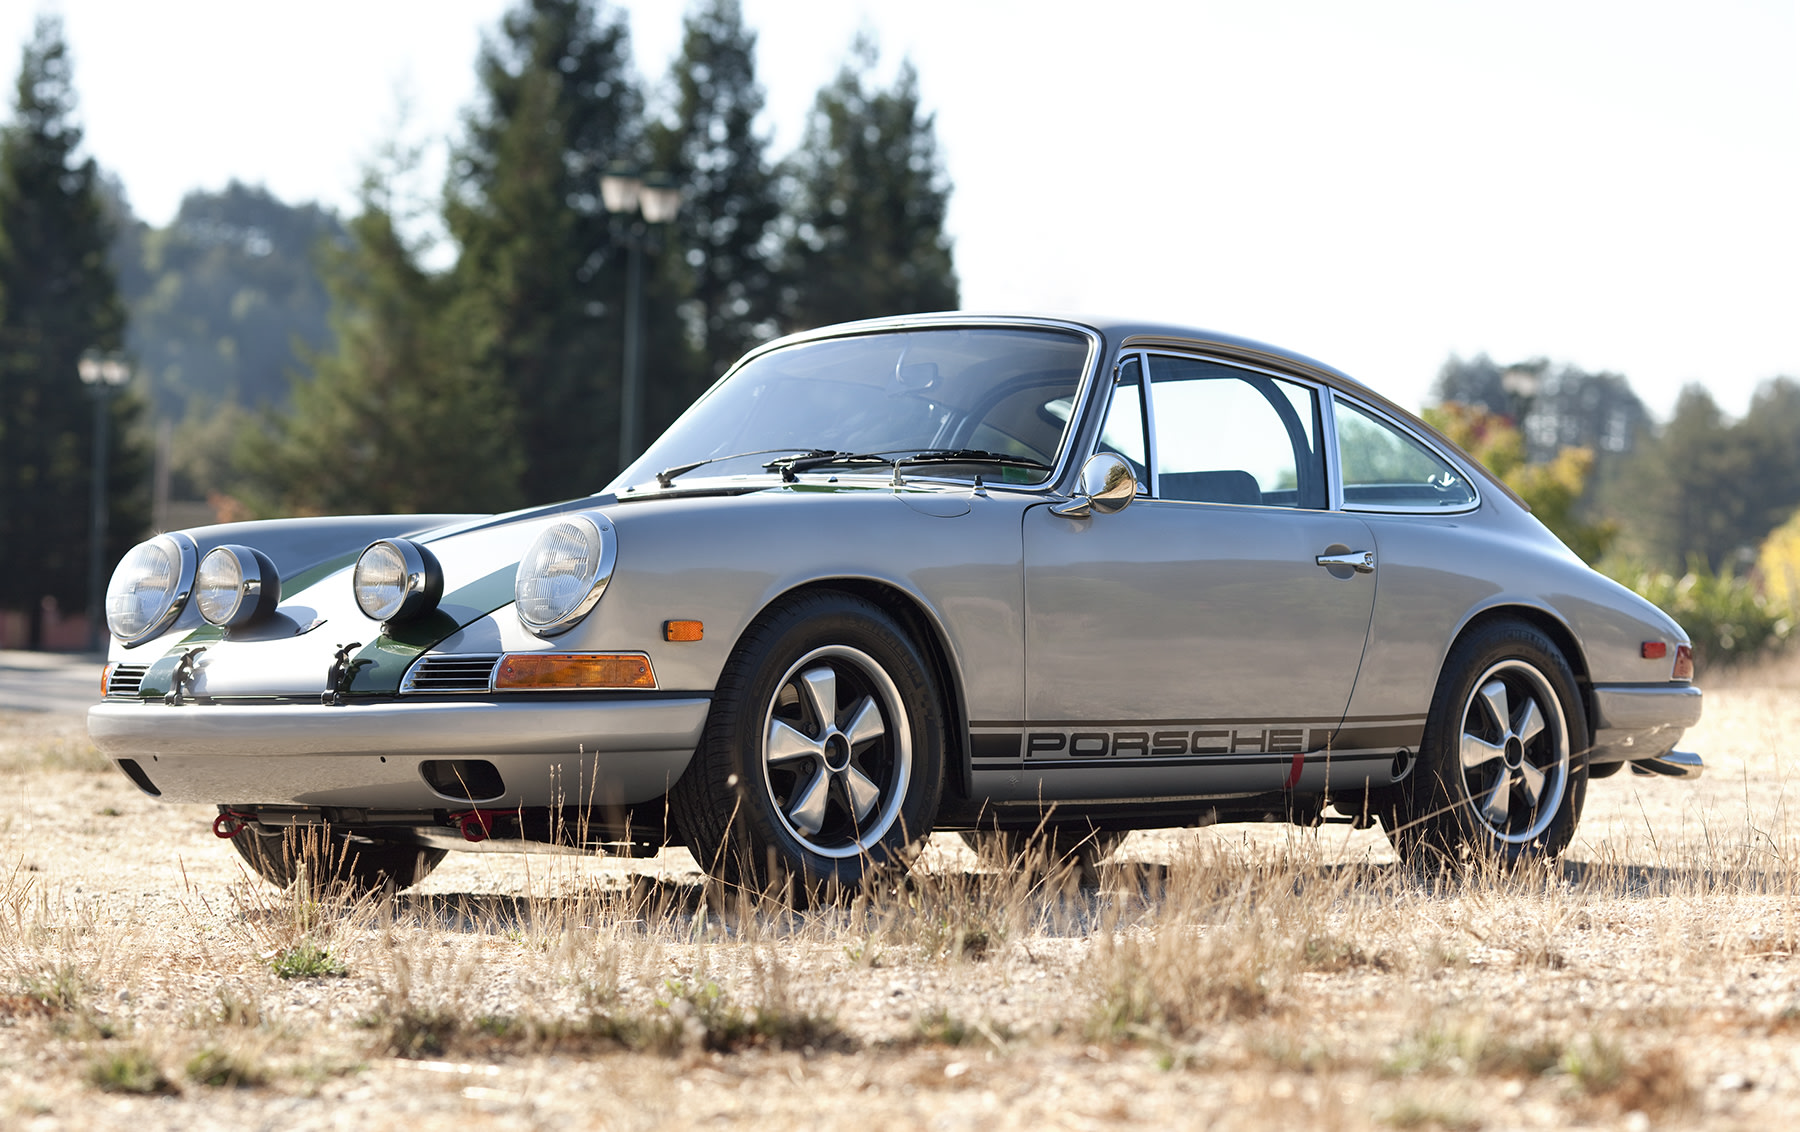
1709 486
1553 488
58 299
225 300
1727 617
1778 565
396 419
869 199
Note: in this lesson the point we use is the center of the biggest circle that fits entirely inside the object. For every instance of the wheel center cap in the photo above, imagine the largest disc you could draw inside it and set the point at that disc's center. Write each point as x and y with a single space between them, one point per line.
1515 753
837 752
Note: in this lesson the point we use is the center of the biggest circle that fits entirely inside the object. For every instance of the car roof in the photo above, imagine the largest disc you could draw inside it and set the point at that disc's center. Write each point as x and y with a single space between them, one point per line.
1123 333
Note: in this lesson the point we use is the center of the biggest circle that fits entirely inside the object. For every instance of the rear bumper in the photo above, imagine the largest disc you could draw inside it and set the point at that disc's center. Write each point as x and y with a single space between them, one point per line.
615 751
1635 722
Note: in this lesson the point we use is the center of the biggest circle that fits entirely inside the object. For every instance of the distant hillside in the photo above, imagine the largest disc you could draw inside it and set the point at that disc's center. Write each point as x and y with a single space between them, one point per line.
222 300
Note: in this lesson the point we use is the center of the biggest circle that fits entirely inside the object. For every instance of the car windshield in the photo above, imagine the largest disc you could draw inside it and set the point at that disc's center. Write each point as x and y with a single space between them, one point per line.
972 393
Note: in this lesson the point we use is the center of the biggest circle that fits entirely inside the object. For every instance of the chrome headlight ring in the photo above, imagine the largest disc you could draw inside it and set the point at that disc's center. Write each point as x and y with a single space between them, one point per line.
565 571
150 588
236 586
397 579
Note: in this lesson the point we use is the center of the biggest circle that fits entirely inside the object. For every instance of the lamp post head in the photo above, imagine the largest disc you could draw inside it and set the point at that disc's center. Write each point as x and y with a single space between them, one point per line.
660 199
101 370
619 188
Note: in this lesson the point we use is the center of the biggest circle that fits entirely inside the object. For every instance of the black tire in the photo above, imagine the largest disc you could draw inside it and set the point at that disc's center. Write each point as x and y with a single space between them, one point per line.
779 792
333 861
1502 774
1083 850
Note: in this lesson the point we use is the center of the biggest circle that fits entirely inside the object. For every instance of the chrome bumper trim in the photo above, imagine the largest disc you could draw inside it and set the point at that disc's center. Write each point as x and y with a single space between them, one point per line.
1674 764
1638 707
444 730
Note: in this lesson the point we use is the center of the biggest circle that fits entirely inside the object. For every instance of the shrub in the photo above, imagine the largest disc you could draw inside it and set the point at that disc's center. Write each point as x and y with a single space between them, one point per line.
1728 621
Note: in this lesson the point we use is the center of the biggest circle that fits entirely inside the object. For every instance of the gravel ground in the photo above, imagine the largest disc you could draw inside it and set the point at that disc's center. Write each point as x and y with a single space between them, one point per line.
1294 977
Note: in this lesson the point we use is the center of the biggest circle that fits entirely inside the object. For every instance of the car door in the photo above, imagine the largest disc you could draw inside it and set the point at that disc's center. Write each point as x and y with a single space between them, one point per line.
1201 641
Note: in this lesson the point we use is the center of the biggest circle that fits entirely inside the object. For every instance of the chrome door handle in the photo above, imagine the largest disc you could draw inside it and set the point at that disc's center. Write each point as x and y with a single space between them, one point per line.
1363 561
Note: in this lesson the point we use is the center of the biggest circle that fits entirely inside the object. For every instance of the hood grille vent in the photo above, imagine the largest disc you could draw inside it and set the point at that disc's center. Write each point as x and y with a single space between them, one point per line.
125 681
438 674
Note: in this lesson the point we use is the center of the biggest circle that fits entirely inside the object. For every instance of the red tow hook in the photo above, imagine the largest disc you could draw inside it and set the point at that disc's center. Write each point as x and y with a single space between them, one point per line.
476 825
230 823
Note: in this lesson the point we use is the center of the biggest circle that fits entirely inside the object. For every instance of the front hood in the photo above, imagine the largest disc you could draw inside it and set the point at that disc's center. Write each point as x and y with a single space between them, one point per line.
292 653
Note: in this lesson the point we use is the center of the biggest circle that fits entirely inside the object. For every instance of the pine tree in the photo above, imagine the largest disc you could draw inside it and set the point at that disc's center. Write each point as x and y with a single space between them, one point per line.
872 196
394 419
57 299
539 282
730 207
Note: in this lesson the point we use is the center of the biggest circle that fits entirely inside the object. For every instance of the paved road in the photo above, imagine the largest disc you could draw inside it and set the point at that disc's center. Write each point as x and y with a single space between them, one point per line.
48 681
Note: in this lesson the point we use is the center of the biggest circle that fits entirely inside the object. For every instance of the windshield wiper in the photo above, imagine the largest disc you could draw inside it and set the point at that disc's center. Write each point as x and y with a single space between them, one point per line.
666 477
789 465
971 456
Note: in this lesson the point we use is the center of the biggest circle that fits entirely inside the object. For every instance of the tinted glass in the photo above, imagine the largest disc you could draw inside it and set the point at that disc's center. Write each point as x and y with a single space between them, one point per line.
893 394
1385 469
1225 435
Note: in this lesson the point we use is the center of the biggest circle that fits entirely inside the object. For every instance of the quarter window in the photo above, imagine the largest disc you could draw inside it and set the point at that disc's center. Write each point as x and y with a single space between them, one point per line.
1226 435
1384 469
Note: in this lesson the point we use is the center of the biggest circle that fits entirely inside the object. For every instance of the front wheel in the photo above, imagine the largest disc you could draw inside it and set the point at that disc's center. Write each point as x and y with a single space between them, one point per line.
823 757
1503 770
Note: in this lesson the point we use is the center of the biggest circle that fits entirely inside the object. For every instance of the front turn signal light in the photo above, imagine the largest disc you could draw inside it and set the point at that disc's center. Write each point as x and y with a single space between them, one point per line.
572 672
1684 663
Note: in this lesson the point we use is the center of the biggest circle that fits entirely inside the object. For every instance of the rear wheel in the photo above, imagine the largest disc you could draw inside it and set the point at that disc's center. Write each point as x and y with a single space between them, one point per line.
823 757
1503 771
328 859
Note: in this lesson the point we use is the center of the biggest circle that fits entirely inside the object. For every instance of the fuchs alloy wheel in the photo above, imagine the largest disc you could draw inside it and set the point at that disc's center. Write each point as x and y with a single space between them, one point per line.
1505 770
823 756
331 860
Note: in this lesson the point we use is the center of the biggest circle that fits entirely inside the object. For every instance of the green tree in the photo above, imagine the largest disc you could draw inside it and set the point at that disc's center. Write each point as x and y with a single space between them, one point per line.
57 299
1686 493
1553 488
539 284
394 418
725 243
871 196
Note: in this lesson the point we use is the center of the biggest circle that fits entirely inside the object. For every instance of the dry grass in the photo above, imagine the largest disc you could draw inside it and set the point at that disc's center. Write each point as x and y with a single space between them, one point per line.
1241 977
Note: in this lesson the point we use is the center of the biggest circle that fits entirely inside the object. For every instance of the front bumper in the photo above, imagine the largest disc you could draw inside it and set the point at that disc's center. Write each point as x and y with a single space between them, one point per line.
547 752
1640 722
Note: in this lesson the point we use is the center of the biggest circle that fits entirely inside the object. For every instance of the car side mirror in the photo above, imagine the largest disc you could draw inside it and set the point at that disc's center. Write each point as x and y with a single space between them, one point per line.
1107 486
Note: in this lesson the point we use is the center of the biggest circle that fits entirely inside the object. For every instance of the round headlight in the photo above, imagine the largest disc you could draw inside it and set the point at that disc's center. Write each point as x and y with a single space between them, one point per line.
564 573
150 587
236 586
396 579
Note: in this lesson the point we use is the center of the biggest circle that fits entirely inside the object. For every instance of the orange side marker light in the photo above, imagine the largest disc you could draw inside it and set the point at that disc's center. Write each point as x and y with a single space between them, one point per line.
683 630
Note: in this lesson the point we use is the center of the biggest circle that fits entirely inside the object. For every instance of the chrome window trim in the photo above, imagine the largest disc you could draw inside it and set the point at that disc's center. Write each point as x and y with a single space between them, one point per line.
1404 429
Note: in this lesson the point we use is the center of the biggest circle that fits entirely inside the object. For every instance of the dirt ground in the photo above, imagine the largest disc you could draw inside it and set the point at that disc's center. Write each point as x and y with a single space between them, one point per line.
1234 977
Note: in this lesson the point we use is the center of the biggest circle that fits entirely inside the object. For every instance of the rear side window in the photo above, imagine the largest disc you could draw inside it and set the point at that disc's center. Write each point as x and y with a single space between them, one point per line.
1385 469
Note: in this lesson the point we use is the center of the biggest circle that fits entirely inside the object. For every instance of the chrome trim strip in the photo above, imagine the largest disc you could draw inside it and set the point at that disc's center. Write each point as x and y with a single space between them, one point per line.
1639 707
444 730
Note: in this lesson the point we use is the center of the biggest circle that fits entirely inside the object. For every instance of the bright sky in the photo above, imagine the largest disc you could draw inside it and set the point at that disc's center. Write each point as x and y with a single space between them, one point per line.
1612 183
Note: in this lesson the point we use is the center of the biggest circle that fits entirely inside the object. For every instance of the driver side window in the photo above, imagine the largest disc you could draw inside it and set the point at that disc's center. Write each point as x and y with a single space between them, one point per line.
1227 435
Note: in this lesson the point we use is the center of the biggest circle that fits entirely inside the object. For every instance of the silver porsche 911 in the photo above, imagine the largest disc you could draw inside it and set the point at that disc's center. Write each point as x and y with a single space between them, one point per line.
986 574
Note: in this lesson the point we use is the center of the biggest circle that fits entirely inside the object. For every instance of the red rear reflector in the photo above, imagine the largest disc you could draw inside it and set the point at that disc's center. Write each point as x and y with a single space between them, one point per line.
1654 650
558 671
683 630
1684 663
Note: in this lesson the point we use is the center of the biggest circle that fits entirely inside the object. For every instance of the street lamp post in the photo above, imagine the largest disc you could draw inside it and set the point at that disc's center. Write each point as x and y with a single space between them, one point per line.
101 373
655 200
